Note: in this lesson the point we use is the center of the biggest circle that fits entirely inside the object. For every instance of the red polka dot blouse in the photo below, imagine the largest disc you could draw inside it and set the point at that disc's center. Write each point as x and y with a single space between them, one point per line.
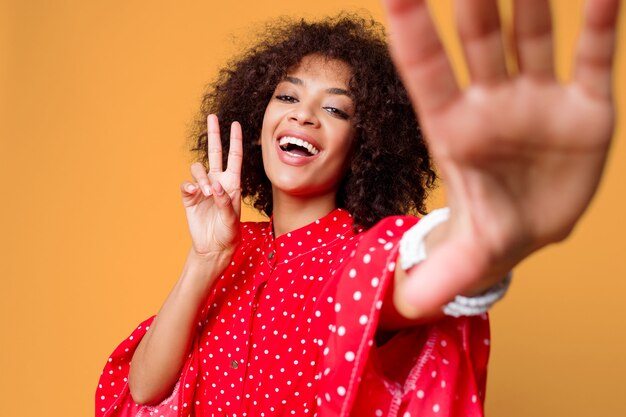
289 330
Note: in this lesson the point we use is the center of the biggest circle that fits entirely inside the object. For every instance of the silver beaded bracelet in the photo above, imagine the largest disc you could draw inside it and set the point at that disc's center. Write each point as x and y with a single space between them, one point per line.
478 304
413 251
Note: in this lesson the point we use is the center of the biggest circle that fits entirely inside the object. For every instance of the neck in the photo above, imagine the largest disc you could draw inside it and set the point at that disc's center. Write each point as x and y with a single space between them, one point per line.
292 212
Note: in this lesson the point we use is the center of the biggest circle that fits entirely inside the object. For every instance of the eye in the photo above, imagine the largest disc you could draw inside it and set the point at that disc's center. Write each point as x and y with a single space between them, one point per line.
337 112
286 98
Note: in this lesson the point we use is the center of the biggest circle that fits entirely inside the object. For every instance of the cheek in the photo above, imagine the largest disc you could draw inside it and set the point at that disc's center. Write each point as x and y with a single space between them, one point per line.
348 156
266 132
271 120
349 144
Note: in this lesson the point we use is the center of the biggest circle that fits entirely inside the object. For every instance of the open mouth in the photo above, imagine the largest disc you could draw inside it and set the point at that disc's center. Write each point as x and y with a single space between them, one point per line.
297 147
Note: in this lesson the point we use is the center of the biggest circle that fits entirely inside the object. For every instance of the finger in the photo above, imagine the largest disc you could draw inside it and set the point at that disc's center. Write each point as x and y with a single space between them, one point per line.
235 151
188 188
436 281
419 55
236 202
594 55
190 193
200 176
214 144
224 204
481 36
532 32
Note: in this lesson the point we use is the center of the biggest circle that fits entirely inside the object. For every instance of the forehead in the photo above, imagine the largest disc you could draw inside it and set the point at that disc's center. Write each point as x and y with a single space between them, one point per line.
321 68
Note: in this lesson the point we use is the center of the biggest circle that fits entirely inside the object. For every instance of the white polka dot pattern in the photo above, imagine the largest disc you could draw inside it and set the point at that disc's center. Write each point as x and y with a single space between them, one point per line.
289 328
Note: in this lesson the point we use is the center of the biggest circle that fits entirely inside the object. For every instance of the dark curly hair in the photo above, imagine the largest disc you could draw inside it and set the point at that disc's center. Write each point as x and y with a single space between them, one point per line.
390 172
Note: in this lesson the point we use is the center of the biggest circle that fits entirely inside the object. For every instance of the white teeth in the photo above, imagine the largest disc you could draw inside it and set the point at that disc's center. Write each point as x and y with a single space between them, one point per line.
298 142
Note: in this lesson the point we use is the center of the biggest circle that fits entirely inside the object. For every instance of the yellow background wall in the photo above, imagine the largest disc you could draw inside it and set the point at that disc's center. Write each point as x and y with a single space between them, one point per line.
94 102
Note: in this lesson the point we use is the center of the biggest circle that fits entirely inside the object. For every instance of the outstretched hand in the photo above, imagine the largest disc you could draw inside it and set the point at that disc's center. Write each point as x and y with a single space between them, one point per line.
213 200
521 154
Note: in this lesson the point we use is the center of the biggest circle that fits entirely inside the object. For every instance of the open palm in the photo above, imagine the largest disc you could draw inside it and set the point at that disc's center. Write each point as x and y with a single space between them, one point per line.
521 155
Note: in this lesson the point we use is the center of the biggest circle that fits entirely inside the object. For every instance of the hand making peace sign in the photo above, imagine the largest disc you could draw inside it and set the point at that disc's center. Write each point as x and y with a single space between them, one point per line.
213 201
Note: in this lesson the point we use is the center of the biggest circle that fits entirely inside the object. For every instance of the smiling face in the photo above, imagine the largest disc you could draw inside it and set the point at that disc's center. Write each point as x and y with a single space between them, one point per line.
308 129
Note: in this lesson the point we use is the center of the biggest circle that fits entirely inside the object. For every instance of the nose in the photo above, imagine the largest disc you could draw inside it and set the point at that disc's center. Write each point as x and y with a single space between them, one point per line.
304 115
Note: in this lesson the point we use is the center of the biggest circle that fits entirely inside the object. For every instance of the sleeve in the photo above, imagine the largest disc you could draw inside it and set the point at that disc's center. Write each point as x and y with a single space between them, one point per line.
113 397
435 369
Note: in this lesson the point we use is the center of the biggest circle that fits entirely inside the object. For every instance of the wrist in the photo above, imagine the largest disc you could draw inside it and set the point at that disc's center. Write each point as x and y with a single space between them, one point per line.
201 270
441 226
432 231
479 303
209 259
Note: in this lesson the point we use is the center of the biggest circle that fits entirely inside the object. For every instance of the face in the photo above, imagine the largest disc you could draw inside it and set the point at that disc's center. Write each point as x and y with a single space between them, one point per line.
308 129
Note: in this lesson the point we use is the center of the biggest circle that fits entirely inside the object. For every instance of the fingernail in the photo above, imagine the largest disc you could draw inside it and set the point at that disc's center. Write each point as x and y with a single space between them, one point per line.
218 188
190 188
207 190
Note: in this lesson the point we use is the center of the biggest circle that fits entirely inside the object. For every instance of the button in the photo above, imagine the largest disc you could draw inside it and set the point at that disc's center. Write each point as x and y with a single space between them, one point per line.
270 255
234 364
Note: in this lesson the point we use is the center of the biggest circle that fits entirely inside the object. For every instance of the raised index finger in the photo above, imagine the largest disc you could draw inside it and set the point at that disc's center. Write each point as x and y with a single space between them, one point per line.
235 151
214 144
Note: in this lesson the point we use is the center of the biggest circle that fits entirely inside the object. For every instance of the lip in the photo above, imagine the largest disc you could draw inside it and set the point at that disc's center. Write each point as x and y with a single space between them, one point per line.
296 160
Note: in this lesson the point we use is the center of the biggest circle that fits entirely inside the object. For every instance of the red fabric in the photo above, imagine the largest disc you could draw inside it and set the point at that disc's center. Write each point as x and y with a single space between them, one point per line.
289 330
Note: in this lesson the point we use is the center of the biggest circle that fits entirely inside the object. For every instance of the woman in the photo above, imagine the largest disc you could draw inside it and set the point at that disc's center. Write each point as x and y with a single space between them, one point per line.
267 320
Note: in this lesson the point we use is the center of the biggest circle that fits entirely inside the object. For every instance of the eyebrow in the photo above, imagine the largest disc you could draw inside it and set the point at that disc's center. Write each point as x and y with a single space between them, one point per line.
332 90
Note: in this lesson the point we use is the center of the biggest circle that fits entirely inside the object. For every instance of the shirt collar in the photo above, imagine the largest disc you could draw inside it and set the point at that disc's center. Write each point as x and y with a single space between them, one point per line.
335 225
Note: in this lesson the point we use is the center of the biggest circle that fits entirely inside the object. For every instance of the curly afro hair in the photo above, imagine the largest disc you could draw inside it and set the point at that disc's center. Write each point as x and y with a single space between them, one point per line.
390 172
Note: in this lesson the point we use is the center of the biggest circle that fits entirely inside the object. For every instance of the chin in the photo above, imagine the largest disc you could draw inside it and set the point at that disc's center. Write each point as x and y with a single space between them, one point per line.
296 188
